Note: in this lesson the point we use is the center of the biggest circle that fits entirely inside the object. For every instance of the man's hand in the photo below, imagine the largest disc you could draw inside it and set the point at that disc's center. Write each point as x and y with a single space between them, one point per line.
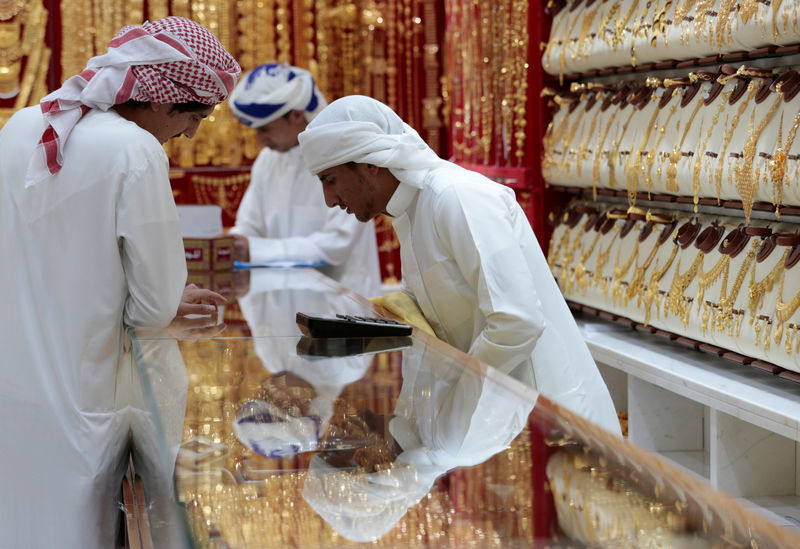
241 248
199 301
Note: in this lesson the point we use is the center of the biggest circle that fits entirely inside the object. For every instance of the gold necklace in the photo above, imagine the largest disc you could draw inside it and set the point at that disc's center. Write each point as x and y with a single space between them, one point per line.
784 310
633 167
635 286
585 142
724 317
677 153
705 279
651 295
581 276
621 270
698 161
745 182
678 303
602 259
726 138
651 155
777 165
615 145
757 290
601 138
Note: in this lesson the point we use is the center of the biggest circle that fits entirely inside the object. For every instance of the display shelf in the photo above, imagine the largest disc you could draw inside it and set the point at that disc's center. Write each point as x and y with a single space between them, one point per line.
738 427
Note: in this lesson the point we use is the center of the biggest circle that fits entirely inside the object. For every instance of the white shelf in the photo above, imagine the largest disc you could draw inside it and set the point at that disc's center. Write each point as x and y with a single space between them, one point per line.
734 425
752 395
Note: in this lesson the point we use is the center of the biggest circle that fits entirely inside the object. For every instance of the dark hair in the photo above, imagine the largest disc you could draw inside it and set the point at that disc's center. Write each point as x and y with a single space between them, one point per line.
188 106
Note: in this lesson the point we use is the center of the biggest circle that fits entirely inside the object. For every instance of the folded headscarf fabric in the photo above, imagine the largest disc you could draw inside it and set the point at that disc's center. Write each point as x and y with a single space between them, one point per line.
405 308
270 91
361 129
171 60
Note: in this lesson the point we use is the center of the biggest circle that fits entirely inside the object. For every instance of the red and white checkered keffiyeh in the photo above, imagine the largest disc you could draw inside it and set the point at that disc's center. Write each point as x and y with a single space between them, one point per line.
171 60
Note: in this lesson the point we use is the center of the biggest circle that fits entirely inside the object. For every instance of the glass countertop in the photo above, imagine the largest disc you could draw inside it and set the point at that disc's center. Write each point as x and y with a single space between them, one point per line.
252 435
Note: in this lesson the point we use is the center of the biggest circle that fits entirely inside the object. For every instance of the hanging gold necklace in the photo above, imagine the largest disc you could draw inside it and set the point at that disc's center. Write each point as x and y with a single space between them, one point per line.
745 181
581 275
784 310
635 285
678 303
602 259
724 317
777 166
726 138
621 270
758 290
652 286
677 150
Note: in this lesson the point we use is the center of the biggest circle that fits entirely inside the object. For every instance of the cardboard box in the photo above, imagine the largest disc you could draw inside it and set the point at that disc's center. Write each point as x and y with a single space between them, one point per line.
209 254
221 282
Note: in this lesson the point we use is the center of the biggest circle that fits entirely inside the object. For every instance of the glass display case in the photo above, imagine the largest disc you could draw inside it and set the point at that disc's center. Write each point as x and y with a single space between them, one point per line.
252 435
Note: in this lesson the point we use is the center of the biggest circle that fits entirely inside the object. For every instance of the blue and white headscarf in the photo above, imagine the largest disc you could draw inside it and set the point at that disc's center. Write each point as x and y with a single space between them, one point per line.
270 91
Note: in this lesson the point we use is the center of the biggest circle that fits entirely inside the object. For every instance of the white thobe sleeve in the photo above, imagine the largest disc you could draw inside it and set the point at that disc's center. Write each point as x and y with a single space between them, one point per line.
486 247
151 246
332 244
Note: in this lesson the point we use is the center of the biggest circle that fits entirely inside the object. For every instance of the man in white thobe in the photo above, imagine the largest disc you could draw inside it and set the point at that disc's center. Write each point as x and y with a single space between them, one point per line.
469 257
90 240
282 216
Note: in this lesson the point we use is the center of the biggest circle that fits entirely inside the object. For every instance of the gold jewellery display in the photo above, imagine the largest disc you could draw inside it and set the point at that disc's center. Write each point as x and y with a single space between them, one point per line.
24 56
691 281
711 136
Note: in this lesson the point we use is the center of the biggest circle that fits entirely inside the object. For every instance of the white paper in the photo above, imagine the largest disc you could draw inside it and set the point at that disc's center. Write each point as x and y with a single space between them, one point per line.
200 220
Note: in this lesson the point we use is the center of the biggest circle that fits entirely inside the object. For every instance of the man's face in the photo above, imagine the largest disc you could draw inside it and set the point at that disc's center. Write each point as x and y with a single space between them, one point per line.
169 123
281 135
352 187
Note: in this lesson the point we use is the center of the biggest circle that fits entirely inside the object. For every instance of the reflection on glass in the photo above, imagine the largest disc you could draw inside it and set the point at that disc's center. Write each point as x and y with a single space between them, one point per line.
445 417
276 440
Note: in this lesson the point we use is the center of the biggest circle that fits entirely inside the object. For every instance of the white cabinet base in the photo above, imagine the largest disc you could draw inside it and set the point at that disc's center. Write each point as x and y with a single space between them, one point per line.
733 425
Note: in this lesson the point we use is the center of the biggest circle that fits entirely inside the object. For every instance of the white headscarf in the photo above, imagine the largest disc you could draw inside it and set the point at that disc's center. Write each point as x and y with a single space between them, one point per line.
270 91
361 129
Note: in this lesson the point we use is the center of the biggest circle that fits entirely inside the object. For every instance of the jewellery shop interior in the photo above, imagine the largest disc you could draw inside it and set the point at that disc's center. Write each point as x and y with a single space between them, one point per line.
651 144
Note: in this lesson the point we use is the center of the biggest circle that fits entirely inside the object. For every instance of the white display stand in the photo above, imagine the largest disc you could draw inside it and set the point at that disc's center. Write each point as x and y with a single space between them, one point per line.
734 425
